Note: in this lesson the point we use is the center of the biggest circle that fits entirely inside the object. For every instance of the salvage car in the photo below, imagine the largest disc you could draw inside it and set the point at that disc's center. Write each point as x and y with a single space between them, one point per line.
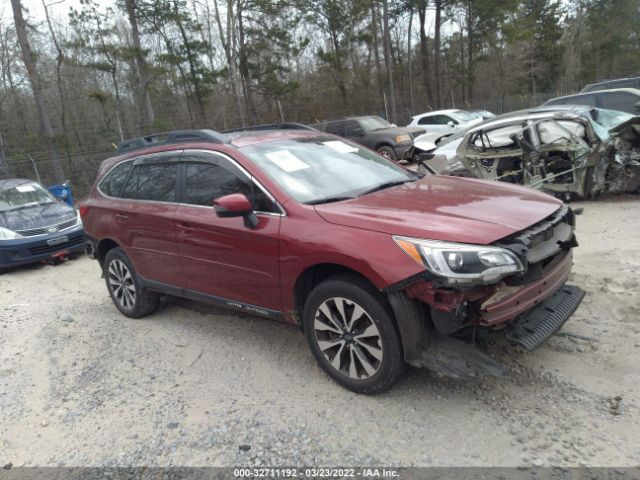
35 226
570 152
380 266
390 141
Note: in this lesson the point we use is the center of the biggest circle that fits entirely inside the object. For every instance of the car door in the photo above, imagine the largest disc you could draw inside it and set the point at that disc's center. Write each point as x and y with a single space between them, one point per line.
221 257
145 218
353 131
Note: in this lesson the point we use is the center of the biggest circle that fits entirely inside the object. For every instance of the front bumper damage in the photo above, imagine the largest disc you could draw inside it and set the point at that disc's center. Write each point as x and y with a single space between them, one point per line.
442 326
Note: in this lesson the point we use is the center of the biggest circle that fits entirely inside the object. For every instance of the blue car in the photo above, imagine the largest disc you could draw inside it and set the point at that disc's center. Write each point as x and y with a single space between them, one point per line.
35 226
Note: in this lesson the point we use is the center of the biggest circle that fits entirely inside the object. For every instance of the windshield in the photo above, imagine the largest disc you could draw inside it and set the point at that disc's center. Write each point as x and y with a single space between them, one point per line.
322 168
463 116
26 195
605 120
373 123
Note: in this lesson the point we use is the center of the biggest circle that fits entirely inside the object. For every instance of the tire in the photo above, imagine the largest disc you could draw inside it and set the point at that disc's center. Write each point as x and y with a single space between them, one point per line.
387 152
347 347
124 286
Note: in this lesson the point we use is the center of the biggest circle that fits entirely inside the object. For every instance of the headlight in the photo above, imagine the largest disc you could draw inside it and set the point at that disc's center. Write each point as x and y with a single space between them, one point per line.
461 264
6 234
403 138
79 222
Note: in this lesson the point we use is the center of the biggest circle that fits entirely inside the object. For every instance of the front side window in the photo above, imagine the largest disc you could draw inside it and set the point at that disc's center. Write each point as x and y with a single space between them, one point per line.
152 181
207 181
463 116
113 182
312 169
372 123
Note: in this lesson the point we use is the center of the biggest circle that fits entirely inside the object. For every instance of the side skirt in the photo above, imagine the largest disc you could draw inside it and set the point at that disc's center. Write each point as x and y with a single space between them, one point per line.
211 299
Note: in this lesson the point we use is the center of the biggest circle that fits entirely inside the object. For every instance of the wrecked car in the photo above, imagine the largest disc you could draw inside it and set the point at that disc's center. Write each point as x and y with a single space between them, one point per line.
570 152
380 266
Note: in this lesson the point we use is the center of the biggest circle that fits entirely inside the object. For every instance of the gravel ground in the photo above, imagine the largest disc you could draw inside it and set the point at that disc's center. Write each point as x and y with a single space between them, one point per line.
81 385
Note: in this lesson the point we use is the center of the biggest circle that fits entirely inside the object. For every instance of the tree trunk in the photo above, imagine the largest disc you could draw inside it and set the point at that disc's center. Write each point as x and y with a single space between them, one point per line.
4 166
55 167
146 115
436 53
470 52
376 46
424 52
244 70
388 62
192 68
409 62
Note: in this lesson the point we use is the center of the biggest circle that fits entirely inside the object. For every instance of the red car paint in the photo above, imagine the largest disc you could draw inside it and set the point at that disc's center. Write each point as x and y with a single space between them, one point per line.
189 247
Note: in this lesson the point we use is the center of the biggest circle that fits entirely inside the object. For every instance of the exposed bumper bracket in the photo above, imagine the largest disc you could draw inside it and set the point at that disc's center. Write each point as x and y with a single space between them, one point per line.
546 318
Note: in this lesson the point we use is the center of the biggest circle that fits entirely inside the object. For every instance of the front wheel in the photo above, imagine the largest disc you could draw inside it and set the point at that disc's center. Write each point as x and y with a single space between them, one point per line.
352 335
125 288
387 152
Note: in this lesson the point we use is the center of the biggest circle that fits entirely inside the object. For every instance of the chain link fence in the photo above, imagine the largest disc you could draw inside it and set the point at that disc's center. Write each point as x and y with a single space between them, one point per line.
81 163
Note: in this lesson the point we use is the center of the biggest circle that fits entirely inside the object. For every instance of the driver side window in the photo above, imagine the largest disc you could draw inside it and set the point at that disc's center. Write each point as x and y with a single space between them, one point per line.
204 182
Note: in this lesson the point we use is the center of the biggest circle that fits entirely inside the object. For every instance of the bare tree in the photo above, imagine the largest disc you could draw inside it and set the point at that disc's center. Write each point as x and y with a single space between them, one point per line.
146 115
55 166
388 61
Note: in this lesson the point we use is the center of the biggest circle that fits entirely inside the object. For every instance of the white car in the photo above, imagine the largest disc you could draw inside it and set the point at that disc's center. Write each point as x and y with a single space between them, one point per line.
445 121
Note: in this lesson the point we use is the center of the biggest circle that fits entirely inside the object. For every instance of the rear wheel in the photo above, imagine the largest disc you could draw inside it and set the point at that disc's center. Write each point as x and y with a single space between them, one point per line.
387 152
125 288
352 335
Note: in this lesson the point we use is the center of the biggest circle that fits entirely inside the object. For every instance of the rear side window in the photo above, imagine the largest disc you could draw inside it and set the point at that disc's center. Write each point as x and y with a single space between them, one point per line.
207 181
588 100
556 101
425 121
112 184
622 101
152 182
336 128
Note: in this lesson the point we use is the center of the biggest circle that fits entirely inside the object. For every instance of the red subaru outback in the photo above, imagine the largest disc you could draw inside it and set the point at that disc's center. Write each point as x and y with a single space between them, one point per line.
380 266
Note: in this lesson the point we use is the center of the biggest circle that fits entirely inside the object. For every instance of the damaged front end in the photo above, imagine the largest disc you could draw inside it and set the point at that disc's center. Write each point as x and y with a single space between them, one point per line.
566 156
517 291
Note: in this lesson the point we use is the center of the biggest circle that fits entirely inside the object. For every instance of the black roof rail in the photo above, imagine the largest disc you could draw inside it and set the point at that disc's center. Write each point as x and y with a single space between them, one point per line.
175 136
271 126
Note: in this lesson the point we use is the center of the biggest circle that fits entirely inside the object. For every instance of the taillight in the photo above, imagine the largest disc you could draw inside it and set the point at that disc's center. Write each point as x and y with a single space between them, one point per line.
83 209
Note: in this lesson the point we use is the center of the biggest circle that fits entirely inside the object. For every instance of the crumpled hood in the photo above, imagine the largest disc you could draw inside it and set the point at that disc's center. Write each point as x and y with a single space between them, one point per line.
445 208
37 216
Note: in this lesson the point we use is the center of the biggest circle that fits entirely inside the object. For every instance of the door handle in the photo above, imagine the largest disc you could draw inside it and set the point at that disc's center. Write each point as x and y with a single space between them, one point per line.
122 217
186 229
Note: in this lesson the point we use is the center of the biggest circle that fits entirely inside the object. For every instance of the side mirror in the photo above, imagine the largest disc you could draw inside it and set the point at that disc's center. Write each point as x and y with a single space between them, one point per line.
236 205
451 124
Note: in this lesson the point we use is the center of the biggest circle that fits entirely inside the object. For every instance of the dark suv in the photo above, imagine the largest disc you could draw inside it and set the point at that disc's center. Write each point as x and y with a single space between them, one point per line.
379 265
394 143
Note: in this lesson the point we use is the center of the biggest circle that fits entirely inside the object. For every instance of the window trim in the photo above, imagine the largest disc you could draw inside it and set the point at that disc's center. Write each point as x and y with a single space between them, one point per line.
180 180
283 212
133 165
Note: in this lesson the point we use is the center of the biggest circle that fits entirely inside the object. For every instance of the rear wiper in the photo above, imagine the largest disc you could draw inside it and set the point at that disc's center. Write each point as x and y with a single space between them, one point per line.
337 198
382 186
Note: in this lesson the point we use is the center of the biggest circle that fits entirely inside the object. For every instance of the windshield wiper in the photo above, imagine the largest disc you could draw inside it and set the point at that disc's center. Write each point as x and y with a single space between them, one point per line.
382 186
337 198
